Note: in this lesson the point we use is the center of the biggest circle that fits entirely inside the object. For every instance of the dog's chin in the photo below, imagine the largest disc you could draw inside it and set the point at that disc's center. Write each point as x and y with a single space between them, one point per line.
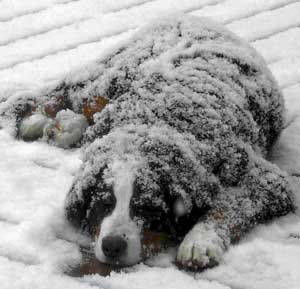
119 263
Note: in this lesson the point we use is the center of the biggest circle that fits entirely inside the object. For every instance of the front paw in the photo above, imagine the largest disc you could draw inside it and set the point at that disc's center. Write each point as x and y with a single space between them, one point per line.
201 248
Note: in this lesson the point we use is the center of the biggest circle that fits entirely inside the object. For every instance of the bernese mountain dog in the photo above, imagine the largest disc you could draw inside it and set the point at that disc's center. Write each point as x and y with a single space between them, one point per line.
175 126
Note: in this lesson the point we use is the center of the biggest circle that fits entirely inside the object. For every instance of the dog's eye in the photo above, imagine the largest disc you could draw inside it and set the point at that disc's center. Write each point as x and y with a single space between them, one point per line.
100 207
105 195
108 201
153 212
149 212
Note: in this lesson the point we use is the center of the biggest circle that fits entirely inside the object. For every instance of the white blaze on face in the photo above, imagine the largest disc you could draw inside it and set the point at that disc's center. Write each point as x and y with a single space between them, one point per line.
119 222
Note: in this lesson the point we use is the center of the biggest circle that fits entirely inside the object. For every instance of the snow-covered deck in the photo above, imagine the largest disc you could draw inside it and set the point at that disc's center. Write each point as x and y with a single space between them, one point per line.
42 41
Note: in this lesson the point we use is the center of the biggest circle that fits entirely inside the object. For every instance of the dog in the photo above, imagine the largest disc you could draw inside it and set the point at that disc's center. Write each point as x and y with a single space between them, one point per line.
176 125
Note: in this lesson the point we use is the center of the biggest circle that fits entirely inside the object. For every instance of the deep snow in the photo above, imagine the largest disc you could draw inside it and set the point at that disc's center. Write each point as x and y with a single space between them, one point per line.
36 245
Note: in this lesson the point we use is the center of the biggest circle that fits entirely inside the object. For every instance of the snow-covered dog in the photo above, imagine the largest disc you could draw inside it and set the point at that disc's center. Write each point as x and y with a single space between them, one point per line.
188 114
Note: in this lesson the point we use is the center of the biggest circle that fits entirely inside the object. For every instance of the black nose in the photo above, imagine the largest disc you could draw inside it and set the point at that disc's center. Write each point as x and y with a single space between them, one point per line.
113 246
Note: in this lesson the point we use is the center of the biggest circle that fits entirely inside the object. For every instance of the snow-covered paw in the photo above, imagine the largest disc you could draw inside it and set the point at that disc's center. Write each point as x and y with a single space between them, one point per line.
32 127
201 248
67 128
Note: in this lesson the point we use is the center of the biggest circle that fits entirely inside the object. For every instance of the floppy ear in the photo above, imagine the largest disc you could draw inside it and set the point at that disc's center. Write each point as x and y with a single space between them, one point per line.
183 173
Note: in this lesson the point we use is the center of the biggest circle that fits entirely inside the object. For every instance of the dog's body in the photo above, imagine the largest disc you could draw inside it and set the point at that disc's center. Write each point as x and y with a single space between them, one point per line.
181 146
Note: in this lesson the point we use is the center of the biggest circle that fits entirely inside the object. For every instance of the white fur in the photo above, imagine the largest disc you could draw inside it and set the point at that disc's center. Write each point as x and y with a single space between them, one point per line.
32 127
200 246
71 128
119 222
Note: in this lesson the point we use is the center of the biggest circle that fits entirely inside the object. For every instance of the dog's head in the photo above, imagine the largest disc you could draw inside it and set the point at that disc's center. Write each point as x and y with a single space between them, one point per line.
138 189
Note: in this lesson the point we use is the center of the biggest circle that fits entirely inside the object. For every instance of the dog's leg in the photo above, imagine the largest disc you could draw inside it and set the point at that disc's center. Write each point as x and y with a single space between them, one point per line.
263 193
34 115
55 120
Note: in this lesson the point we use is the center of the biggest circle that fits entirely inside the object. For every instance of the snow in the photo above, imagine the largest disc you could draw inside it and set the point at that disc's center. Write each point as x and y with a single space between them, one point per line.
78 33
11 9
32 127
36 245
289 45
287 70
203 244
269 22
230 10
67 128
33 24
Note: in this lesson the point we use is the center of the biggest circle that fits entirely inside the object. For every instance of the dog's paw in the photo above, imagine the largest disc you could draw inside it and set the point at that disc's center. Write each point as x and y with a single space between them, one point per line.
201 248
32 127
67 128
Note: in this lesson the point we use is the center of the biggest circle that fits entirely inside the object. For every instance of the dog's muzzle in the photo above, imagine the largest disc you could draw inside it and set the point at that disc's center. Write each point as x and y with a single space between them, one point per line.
114 247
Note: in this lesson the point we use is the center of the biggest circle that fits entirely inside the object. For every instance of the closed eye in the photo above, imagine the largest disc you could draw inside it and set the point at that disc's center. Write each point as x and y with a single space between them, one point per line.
108 202
149 212
102 203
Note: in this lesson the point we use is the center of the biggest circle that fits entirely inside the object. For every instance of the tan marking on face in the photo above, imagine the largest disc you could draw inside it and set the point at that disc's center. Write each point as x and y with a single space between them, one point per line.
97 232
153 242
235 232
30 111
96 105
53 106
218 215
